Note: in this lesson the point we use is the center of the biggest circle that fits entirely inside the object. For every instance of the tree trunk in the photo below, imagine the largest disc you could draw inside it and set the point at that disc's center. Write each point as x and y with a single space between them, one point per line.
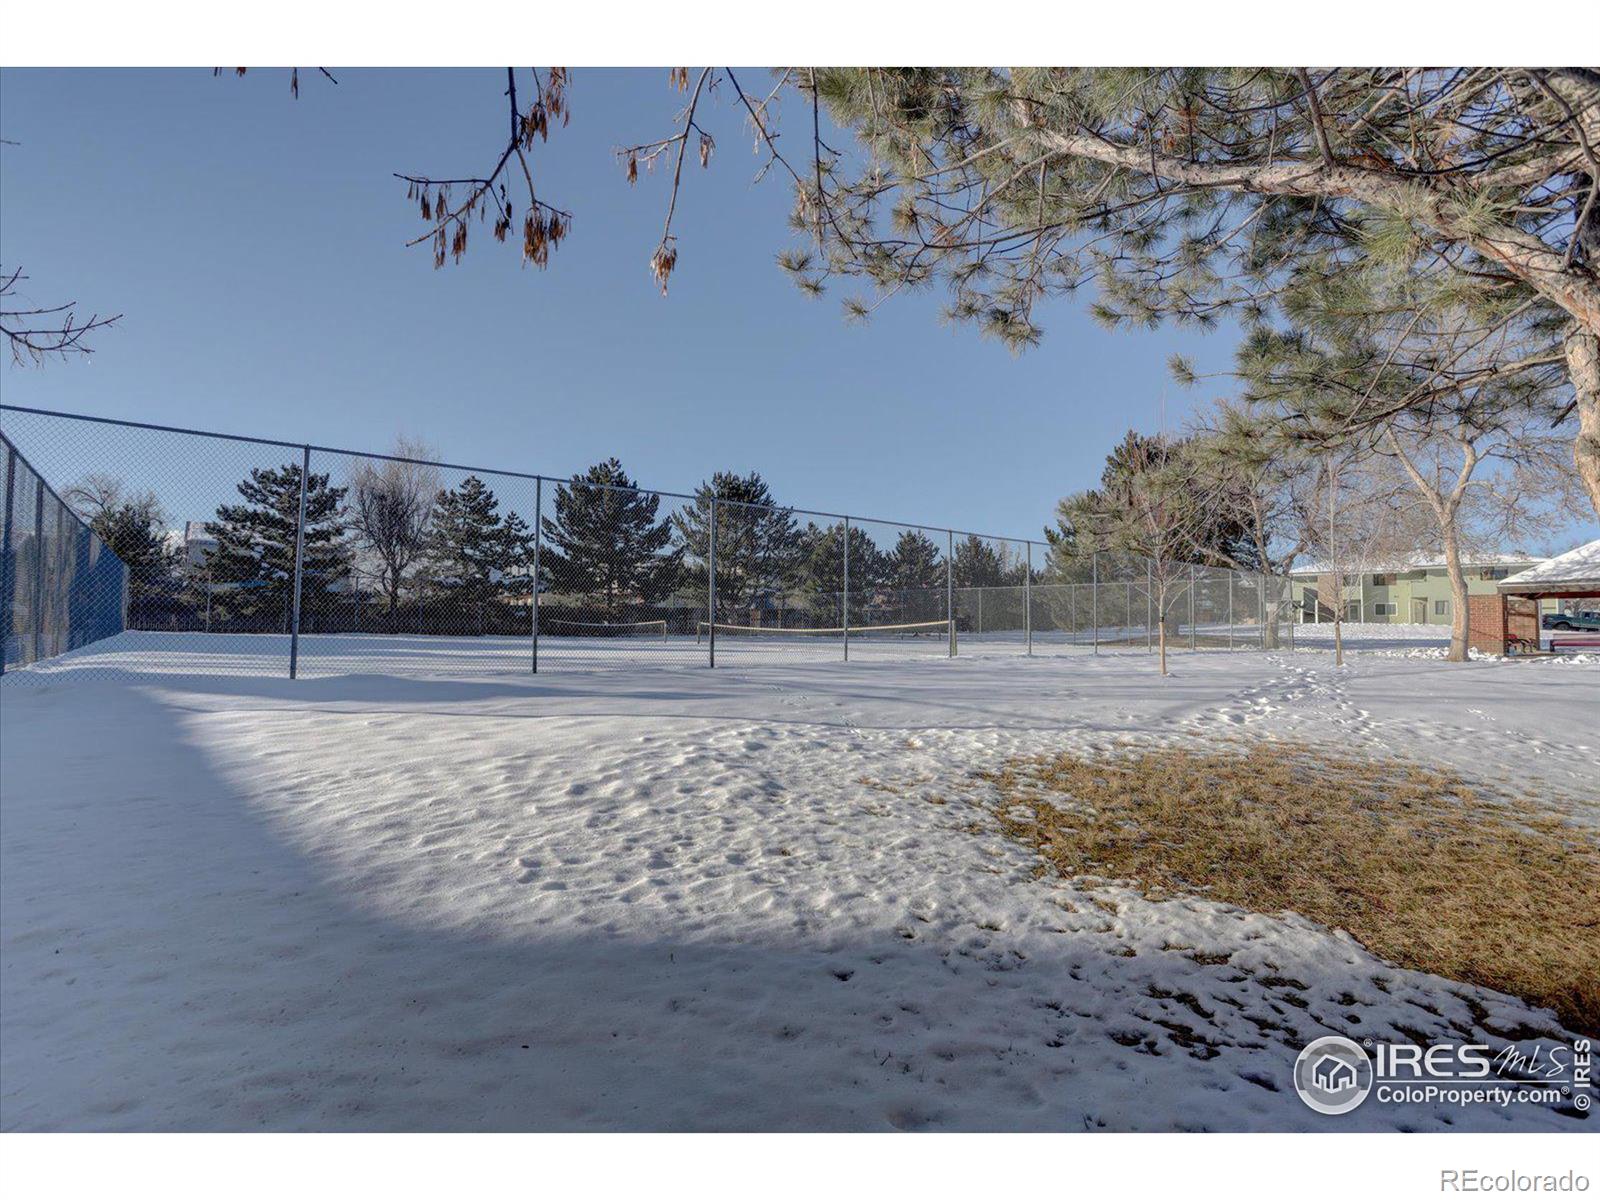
1161 640
1458 593
1583 368
1338 627
1447 511
1269 617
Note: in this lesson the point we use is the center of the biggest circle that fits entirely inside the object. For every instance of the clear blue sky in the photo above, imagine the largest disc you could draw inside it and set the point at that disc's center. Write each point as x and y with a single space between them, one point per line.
255 245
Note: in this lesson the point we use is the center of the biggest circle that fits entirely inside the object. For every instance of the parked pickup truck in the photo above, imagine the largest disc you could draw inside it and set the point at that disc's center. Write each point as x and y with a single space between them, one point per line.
1589 621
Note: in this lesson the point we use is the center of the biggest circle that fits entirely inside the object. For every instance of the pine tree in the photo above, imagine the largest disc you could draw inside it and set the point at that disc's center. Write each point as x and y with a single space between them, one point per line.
981 564
252 565
916 572
472 553
1267 478
1186 192
605 545
916 563
759 546
1218 532
823 577
131 527
1149 506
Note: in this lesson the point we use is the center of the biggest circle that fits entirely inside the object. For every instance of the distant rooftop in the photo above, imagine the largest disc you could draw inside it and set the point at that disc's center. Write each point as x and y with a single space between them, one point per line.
1433 561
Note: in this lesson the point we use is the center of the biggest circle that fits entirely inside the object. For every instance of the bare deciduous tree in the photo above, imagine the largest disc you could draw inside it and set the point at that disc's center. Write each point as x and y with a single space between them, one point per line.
1266 481
391 505
1481 483
543 225
1355 518
35 334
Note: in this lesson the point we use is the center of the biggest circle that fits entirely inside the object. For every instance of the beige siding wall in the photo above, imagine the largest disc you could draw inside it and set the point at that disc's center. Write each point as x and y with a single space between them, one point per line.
1401 597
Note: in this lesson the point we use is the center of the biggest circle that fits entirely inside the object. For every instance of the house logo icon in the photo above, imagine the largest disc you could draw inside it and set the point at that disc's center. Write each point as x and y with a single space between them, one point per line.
1333 1075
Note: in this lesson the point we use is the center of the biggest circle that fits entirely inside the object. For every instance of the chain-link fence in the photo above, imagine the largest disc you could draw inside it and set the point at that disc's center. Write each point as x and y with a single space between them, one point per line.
141 548
62 587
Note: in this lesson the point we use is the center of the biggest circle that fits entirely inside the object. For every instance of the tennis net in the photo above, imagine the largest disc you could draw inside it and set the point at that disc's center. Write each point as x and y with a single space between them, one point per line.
560 627
912 631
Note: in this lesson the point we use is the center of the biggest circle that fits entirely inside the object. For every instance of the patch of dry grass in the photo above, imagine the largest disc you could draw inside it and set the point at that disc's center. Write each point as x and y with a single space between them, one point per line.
1421 867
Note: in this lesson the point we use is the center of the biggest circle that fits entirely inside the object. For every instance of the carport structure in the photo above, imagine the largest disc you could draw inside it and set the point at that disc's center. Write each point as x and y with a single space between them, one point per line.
1509 621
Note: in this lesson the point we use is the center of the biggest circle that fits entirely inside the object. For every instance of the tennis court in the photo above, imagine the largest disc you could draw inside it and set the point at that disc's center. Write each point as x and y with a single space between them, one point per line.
549 575
142 652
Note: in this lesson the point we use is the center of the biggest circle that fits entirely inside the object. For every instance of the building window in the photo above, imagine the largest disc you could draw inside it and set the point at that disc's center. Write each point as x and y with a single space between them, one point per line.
1352 610
1441 608
1383 610
1352 580
1383 580
1492 573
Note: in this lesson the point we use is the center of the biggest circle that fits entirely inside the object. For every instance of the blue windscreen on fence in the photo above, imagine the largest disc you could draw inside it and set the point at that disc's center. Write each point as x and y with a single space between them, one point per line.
61 587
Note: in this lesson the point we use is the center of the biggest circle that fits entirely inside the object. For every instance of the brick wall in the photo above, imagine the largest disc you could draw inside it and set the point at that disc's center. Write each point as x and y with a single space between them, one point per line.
1486 624
1494 621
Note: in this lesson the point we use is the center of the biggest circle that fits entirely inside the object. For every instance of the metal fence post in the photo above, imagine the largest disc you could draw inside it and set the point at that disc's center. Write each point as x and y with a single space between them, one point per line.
847 589
1191 607
1027 600
1094 595
950 586
538 540
36 609
8 579
61 626
1261 609
1230 610
711 586
299 564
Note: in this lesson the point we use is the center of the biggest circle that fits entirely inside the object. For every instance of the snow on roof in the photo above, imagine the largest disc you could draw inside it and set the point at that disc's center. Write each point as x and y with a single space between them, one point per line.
1426 562
1575 568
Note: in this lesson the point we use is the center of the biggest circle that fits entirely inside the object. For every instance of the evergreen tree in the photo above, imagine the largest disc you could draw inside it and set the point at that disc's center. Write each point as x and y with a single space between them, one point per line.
1268 478
1150 507
1183 193
473 555
133 528
822 577
981 564
759 546
1186 192
516 570
916 563
252 565
605 545
1217 532
916 570
1067 557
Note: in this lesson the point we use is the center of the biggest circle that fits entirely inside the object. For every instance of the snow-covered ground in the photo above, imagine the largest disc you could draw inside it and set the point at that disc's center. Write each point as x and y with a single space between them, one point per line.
674 898
1371 634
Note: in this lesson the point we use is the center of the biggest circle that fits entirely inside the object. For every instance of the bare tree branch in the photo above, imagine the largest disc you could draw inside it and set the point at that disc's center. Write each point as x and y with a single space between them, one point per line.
35 334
